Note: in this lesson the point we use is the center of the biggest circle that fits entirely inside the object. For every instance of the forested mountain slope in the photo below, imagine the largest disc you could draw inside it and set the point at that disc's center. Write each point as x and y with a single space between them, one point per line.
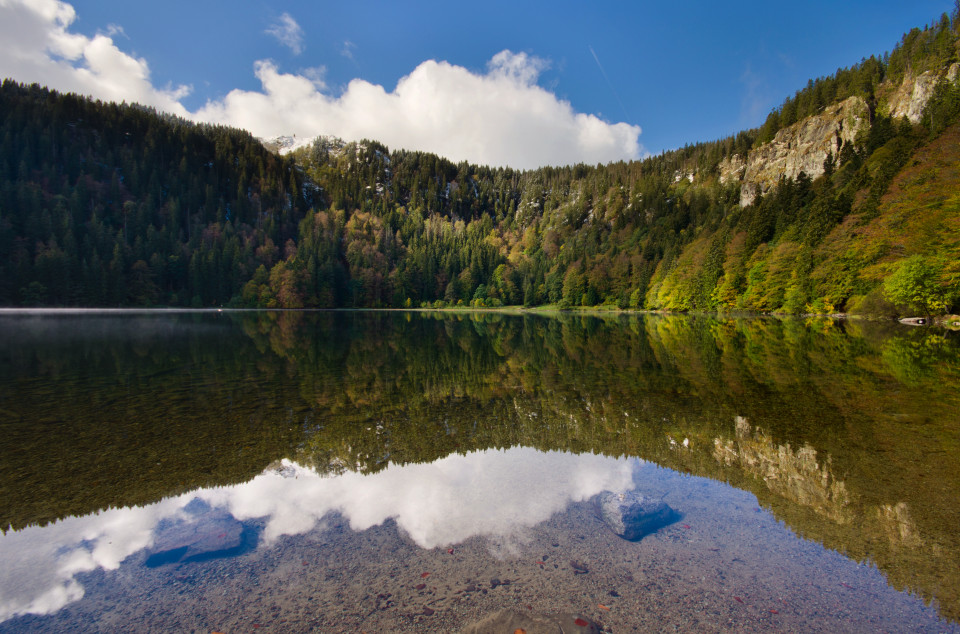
845 199
116 205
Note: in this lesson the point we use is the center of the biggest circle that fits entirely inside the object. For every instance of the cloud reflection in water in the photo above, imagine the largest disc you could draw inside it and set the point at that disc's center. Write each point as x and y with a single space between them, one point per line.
488 493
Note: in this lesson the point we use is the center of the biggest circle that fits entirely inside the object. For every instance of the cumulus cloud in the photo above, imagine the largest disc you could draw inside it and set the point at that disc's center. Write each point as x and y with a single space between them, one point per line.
317 76
500 117
39 47
287 32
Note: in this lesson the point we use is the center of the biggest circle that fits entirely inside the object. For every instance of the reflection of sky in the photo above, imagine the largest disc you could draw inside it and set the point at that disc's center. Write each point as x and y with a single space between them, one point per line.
488 493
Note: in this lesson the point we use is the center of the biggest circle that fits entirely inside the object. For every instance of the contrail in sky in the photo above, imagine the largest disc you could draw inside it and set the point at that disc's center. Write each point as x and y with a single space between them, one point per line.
609 84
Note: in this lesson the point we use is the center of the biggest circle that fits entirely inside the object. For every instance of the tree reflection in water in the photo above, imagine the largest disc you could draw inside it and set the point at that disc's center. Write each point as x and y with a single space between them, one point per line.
847 431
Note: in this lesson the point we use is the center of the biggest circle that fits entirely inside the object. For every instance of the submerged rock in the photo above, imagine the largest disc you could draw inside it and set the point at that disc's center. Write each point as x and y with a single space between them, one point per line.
205 533
530 623
632 515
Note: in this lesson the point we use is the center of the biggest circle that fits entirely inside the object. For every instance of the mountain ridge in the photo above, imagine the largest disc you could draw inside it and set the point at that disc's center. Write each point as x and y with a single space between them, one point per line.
138 214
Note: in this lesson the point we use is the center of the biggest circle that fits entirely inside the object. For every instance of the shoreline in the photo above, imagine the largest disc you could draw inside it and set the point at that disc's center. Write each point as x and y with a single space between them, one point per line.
950 321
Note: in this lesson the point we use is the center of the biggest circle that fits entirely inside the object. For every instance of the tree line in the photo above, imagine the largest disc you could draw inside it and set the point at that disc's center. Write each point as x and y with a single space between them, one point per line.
117 205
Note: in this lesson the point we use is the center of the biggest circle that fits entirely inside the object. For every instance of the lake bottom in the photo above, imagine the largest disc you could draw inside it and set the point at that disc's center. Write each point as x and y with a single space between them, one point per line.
725 565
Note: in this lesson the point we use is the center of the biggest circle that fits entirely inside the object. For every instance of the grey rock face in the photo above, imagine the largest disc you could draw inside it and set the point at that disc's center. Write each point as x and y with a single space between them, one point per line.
910 98
802 147
632 515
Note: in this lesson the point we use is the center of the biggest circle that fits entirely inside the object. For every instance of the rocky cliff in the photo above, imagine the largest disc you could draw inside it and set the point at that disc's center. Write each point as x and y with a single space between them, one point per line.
911 96
803 146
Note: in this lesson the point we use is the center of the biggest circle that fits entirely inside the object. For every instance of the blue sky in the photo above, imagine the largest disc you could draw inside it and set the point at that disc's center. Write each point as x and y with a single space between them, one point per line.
580 81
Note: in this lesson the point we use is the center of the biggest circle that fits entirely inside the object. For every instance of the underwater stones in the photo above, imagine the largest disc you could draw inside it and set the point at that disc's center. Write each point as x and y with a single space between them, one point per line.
205 533
632 515
530 623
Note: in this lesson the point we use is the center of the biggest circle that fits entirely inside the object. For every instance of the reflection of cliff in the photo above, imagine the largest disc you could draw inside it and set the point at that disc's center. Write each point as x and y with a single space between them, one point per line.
831 409
802 477
852 427
793 474
897 527
855 418
803 490
834 413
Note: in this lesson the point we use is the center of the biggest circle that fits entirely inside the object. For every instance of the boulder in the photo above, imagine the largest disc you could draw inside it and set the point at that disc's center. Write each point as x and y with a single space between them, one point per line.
633 516
205 533
914 321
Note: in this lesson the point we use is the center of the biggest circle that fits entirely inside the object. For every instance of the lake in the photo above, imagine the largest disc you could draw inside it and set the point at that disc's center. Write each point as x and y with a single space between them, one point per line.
424 471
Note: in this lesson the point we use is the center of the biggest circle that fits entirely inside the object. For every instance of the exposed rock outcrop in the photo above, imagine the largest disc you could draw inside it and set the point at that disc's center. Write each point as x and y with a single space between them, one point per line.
911 97
732 168
801 147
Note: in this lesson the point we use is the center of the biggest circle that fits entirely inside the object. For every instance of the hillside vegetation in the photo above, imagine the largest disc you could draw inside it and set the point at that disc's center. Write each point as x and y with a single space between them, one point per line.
107 205
116 205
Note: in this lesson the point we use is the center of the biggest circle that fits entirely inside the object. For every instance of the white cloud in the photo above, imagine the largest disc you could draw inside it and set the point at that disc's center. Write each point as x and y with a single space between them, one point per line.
115 29
499 116
521 68
317 76
287 32
38 47
348 49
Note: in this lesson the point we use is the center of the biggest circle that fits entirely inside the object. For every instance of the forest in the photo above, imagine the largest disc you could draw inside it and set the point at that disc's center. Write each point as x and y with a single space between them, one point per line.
107 205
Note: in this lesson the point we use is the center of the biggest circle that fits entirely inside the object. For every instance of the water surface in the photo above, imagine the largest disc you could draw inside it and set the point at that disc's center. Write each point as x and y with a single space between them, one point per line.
344 471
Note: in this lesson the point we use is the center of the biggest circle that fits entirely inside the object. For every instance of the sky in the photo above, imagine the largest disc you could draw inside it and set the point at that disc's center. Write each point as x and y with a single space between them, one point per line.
520 84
